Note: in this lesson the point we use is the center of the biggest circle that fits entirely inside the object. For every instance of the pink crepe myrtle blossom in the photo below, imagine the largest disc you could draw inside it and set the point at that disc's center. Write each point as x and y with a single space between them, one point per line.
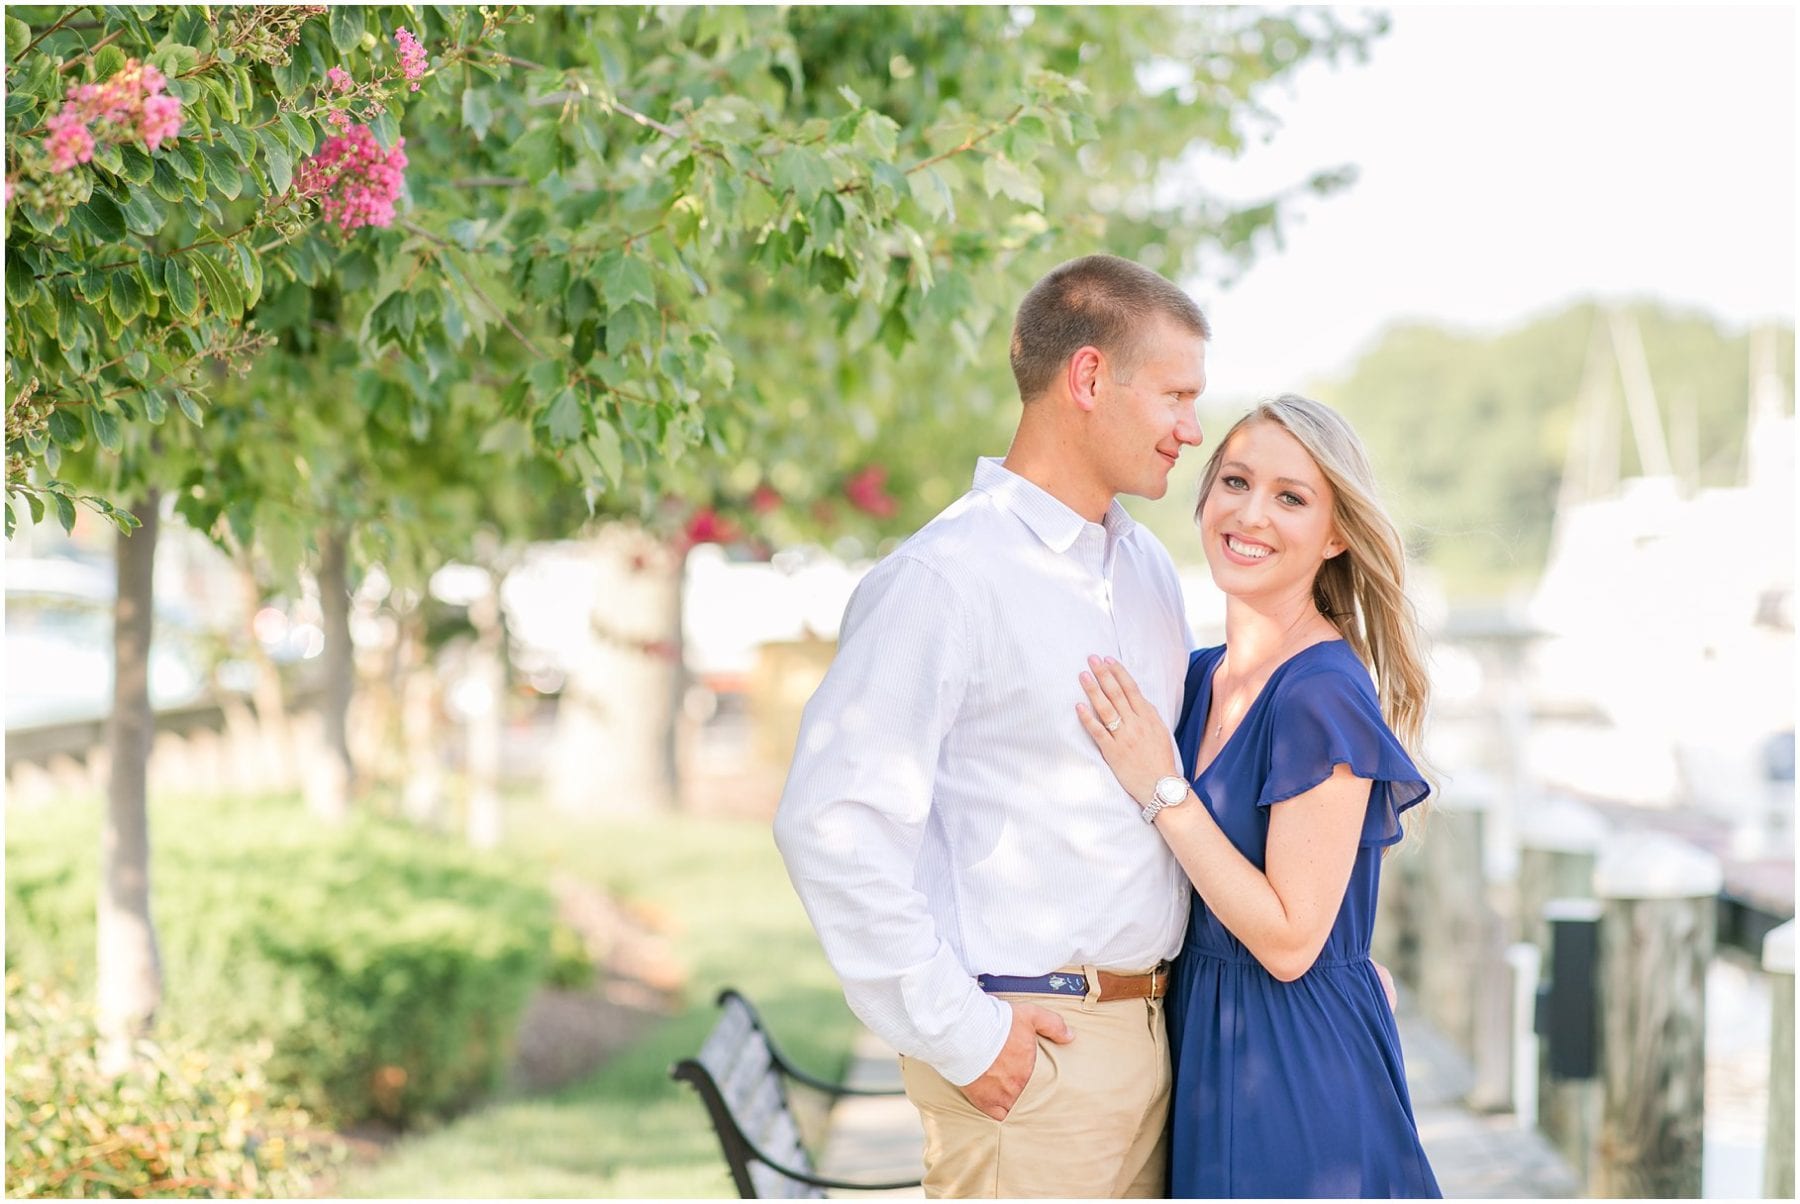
412 56
339 80
709 526
356 181
69 142
867 492
161 119
132 105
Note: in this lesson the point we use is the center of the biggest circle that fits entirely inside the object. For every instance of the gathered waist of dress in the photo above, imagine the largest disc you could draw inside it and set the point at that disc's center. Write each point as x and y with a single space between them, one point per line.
1243 957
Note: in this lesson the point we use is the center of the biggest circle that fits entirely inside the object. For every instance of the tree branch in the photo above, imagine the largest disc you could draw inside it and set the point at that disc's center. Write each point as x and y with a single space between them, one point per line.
60 22
89 52
505 319
969 143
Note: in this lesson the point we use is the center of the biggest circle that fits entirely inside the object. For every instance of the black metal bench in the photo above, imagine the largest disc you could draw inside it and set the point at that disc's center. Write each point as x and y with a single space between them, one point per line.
744 1078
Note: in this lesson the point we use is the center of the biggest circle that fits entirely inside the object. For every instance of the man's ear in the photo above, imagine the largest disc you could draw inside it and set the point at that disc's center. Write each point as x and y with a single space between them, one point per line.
1083 377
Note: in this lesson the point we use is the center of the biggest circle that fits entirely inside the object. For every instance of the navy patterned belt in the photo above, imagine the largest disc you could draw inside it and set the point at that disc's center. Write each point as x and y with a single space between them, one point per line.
1152 984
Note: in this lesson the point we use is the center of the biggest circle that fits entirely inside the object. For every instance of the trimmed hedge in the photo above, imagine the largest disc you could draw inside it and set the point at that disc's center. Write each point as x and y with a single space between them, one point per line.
179 1123
387 968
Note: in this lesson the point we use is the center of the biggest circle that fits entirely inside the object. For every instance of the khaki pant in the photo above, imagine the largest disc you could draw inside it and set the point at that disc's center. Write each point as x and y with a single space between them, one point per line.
1090 1122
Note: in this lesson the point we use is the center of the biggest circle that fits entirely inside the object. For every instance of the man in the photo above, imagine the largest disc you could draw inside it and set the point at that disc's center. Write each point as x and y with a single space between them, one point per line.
989 896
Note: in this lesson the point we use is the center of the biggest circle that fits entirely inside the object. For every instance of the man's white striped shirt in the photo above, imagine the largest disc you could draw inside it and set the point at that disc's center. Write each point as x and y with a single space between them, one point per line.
946 815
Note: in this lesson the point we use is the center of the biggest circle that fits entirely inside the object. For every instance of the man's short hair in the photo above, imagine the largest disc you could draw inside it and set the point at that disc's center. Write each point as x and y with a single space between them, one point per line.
1099 301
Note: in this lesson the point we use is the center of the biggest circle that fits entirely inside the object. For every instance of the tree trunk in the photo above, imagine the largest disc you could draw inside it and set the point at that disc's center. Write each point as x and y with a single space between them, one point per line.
422 791
613 751
329 783
276 732
129 979
486 718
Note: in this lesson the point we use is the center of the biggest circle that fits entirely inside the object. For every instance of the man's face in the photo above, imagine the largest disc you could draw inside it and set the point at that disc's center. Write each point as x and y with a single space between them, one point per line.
1147 419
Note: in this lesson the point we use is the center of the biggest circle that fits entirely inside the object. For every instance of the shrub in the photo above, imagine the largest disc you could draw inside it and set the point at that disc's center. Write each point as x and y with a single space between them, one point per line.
571 965
386 968
180 1123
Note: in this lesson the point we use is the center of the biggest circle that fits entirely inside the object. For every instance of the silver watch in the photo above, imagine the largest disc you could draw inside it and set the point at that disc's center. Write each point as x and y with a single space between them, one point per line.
1171 791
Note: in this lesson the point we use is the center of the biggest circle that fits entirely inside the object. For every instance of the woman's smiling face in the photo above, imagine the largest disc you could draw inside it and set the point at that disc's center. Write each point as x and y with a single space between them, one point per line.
1267 520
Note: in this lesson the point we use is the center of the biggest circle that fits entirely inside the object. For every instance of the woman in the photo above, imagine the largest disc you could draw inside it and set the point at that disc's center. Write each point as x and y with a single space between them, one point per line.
1290 784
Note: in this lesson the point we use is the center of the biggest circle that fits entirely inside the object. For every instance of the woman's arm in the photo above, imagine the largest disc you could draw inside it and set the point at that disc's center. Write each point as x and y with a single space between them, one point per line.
1283 915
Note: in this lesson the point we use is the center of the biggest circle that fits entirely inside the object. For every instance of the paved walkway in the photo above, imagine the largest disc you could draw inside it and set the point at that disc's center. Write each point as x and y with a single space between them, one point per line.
1476 1156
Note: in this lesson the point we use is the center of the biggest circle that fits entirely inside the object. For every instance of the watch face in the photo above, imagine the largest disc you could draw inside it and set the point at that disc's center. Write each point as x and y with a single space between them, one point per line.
1170 791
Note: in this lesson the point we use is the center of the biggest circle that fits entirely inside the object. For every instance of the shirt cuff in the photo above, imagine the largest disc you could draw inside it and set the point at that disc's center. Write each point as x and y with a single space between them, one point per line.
974 1044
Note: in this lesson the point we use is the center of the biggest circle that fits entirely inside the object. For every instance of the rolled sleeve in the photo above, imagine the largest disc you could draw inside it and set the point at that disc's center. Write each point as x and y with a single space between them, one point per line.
853 814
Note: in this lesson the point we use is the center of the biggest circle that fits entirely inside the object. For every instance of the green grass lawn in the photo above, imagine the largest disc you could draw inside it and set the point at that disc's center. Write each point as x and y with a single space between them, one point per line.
630 1130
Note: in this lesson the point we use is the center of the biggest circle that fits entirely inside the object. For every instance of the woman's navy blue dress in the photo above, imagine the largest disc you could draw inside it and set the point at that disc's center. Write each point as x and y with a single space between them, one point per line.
1293 1089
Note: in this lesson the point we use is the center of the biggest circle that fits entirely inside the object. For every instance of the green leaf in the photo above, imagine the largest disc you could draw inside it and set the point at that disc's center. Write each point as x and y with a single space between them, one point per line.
106 429
1002 175
932 192
190 407
144 213
477 113
895 331
686 214
108 62
101 218
135 165
126 295
18 36
385 129
347 27
222 171
66 428
156 406
220 289
564 417
624 279
804 172
20 283
108 157
221 92
537 153
65 511
878 134
179 282
164 182
184 167
607 452
250 268
36 502
280 162
302 134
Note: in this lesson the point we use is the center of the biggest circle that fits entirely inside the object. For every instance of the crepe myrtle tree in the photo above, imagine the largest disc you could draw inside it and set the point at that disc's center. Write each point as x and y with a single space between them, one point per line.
150 190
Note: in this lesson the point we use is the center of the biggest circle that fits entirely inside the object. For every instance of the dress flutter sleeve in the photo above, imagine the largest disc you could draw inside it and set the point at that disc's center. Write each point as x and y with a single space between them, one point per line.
1326 719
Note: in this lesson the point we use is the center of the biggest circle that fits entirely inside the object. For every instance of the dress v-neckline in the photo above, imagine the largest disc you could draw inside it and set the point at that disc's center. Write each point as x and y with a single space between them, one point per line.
1244 722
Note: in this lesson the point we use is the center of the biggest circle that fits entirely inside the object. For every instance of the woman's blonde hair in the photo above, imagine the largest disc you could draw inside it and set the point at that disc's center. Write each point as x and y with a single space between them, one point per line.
1362 590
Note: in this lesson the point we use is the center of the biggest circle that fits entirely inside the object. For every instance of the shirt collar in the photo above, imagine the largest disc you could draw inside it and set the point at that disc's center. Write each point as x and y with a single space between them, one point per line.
1050 520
